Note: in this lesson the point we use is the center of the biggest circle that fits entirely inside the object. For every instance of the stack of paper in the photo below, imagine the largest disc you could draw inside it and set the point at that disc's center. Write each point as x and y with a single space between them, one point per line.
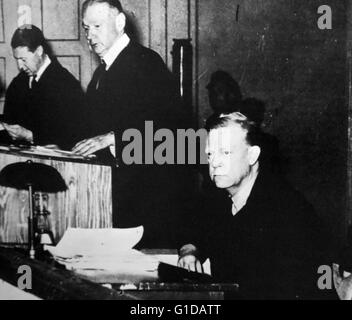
106 255
50 152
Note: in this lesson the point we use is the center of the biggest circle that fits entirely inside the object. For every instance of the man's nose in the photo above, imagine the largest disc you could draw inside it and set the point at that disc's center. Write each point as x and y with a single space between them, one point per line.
20 65
215 161
90 34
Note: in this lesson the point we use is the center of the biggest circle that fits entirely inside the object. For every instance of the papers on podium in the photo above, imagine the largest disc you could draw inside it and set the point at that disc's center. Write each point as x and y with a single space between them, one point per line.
50 152
45 151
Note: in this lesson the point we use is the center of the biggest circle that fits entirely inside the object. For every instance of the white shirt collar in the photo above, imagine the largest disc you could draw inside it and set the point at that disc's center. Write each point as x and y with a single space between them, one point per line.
239 200
41 70
44 66
120 44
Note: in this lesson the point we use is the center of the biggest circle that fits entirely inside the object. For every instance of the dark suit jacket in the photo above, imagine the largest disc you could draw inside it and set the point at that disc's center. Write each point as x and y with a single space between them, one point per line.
138 87
273 247
52 110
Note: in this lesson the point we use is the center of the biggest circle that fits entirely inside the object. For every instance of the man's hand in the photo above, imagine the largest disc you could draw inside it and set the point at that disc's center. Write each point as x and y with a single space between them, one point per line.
89 146
343 283
188 259
17 132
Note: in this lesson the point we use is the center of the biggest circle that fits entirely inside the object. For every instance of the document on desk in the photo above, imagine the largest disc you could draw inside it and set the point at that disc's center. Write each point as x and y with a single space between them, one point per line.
77 242
44 151
105 255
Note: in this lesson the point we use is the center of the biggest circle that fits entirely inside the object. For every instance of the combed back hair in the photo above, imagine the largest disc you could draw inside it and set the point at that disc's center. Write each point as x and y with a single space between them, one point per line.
112 3
29 36
254 133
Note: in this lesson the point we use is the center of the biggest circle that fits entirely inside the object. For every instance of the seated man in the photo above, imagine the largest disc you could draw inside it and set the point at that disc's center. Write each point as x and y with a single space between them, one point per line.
43 101
255 228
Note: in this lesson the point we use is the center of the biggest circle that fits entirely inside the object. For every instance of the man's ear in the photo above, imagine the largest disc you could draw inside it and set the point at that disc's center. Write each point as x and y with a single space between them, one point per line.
40 51
253 154
120 22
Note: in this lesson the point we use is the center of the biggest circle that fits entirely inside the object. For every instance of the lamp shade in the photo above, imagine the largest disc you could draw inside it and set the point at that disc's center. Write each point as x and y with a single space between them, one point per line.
40 176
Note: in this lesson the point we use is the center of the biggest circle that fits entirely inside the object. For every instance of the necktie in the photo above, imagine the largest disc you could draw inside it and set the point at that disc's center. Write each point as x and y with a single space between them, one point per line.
100 74
34 82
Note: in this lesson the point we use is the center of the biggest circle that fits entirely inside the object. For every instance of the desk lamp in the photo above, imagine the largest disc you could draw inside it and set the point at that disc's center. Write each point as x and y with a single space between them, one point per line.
34 177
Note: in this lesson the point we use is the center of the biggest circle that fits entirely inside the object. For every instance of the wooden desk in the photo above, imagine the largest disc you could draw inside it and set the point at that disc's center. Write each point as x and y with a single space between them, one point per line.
153 285
50 282
86 204
178 291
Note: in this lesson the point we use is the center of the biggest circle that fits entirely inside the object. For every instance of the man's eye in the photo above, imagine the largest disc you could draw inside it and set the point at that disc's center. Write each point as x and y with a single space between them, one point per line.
97 26
227 153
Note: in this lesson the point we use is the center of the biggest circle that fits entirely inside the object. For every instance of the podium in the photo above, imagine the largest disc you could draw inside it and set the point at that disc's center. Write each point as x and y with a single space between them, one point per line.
86 204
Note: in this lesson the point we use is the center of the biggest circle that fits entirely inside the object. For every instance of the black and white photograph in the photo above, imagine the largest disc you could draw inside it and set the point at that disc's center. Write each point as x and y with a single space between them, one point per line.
159 152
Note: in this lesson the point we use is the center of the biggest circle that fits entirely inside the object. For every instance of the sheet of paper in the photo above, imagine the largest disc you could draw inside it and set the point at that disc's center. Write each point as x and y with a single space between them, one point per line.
96 242
106 255
39 150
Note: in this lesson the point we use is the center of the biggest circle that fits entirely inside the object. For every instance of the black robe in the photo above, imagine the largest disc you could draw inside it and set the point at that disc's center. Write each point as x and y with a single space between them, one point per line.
138 87
52 110
272 247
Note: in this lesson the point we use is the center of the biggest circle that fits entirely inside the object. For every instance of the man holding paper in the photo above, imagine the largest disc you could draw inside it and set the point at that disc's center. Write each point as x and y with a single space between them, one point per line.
43 101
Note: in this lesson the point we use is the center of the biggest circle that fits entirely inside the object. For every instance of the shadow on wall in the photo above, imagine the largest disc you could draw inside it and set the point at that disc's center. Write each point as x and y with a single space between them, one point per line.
132 27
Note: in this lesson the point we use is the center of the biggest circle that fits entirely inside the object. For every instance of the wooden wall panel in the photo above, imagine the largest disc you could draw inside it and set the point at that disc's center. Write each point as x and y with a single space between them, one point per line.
2 22
72 64
177 24
61 19
158 27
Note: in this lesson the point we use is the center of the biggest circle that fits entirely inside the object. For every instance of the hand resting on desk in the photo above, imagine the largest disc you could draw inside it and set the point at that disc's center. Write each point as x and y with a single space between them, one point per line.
343 283
189 259
89 146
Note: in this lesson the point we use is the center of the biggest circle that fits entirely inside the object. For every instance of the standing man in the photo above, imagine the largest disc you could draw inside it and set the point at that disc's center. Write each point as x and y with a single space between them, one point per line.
132 85
43 103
